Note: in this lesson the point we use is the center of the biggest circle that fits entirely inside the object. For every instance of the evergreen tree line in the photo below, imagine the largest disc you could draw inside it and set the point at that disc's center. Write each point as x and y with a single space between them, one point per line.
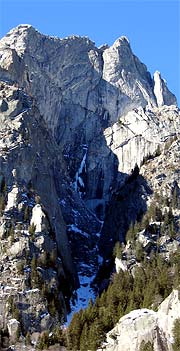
150 283
147 287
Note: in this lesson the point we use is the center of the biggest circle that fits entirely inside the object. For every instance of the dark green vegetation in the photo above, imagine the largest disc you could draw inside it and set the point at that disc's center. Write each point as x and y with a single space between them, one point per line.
146 346
3 190
145 285
176 334
142 285
47 339
150 284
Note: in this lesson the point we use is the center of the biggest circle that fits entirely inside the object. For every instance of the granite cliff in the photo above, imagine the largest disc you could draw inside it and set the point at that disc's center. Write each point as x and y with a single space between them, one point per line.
76 121
142 326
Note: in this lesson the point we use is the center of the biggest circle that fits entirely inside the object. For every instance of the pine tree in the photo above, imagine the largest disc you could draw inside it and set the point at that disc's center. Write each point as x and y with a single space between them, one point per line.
139 251
58 336
3 187
43 341
171 231
176 335
18 333
11 234
52 258
28 338
174 199
117 251
74 332
130 235
35 278
2 203
84 339
26 214
52 307
145 222
146 346
96 334
31 230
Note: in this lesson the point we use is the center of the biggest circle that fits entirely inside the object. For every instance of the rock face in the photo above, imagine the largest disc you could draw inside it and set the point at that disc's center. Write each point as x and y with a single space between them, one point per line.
76 121
123 70
146 325
163 95
89 89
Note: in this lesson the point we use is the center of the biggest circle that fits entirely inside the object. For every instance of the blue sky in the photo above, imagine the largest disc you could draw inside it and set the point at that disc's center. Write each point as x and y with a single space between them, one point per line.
153 27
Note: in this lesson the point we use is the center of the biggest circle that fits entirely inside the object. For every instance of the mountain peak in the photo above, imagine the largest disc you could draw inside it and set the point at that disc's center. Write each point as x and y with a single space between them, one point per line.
17 37
24 26
21 28
121 41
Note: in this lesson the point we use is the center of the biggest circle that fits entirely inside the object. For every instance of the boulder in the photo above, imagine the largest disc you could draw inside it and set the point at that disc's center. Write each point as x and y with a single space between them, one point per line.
13 328
145 325
38 218
120 264
12 198
18 247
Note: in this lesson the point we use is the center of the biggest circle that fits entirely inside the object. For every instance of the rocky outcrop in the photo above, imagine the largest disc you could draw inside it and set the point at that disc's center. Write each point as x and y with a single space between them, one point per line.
162 172
161 91
12 198
38 218
13 327
140 133
146 325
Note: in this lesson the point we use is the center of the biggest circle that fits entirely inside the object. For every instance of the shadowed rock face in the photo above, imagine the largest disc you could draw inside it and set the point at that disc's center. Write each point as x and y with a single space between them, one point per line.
74 122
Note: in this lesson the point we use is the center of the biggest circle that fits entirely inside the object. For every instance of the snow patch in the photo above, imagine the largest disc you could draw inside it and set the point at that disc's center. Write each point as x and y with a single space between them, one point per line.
29 291
72 227
100 259
84 294
44 315
78 179
12 321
